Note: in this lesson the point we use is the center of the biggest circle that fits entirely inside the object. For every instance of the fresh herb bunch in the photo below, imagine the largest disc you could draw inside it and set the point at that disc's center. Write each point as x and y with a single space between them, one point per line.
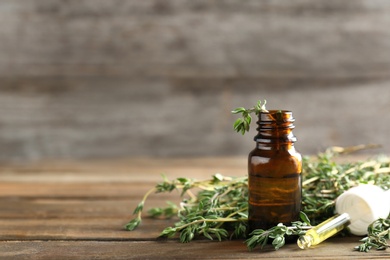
324 179
219 206
242 124
220 209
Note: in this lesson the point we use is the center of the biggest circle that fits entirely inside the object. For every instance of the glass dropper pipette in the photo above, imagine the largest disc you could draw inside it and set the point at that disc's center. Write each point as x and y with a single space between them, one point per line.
358 207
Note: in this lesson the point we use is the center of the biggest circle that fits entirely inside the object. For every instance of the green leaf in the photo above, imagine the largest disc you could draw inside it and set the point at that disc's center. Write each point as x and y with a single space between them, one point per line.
133 224
248 119
168 232
139 208
242 124
207 235
261 107
243 129
219 233
217 178
246 126
238 110
242 214
304 218
238 124
155 212
165 187
278 242
183 180
186 235
167 212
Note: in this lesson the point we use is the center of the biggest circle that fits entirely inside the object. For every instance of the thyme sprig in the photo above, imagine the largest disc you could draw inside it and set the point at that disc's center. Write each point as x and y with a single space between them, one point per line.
219 209
378 234
260 237
242 124
218 202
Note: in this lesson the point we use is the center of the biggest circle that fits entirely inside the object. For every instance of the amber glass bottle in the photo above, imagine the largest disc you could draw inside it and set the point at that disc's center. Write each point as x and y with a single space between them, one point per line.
274 172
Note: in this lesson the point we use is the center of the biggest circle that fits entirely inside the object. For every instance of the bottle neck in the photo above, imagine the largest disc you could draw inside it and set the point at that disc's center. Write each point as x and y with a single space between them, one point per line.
275 130
275 146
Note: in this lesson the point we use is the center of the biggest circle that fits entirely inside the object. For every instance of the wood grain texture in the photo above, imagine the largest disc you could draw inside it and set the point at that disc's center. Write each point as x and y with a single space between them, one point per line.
92 79
182 38
73 216
163 249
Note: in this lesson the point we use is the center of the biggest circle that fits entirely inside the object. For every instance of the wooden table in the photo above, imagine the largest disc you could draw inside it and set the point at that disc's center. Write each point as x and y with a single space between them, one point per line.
68 210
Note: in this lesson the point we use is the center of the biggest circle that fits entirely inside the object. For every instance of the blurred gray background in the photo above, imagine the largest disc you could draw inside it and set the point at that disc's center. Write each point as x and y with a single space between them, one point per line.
91 79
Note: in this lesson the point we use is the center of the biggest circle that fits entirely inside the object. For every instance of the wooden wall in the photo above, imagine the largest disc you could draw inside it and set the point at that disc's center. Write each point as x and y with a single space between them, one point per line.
105 79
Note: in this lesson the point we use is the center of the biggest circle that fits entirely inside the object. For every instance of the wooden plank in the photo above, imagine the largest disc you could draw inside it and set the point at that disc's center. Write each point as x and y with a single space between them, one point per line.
36 208
80 228
121 121
333 249
225 38
79 207
83 80
140 170
87 221
72 190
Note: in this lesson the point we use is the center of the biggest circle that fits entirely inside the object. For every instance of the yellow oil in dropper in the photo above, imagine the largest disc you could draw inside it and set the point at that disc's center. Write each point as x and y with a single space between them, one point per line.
323 231
358 207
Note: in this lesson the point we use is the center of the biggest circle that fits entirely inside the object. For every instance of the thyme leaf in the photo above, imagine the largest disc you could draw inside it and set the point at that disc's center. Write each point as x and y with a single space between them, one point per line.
242 124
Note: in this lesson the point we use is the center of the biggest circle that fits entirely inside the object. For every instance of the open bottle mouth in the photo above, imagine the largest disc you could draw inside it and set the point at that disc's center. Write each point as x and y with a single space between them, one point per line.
277 116
275 126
